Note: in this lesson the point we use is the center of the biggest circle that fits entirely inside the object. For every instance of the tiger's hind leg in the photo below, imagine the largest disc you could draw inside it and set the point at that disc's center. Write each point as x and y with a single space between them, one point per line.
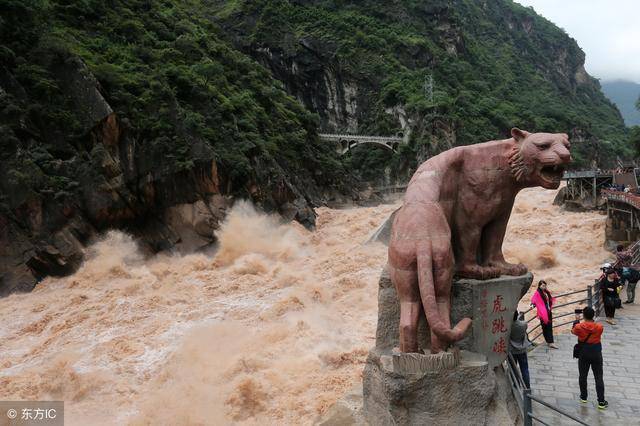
406 283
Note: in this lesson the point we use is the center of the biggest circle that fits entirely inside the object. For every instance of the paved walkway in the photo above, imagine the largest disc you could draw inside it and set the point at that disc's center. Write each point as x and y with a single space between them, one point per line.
554 375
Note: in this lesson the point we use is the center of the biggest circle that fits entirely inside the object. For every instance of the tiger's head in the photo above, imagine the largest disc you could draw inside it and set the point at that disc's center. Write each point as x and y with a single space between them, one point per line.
539 159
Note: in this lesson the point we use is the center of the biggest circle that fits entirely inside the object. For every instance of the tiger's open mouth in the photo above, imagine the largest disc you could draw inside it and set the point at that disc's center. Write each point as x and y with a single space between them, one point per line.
552 173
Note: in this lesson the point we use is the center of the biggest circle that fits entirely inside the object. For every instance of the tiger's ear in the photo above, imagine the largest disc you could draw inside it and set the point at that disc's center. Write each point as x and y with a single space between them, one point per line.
518 134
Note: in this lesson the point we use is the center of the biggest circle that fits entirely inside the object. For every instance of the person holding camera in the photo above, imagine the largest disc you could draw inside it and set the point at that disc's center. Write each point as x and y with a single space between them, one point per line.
609 285
589 354
519 344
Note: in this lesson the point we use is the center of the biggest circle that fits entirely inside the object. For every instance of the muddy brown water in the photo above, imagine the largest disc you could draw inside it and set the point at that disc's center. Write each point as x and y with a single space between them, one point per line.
271 330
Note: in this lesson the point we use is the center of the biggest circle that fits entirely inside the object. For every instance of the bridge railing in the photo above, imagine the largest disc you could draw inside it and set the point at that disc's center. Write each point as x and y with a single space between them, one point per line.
624 197
359 137
578 174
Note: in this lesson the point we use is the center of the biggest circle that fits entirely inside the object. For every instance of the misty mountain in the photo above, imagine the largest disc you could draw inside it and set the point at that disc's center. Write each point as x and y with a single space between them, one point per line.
624 94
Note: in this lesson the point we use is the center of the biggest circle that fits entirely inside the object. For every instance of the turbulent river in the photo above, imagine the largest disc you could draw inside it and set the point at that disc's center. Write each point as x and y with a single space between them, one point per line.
272 329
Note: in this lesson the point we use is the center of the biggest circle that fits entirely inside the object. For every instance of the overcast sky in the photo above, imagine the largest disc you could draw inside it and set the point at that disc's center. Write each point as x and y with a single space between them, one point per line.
607 30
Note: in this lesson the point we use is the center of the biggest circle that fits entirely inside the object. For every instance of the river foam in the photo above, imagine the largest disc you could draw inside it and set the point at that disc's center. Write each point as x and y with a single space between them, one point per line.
272 329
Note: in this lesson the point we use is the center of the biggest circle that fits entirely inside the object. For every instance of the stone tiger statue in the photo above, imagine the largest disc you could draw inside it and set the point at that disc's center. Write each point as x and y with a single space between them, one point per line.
453 221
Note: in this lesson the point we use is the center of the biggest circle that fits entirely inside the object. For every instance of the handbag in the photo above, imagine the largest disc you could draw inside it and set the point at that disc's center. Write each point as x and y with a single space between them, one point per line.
618 303
577 348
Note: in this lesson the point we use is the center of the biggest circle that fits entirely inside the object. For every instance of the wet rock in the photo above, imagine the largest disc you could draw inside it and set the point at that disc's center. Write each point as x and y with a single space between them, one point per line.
383 233
345 412
560 196
82 87
196 222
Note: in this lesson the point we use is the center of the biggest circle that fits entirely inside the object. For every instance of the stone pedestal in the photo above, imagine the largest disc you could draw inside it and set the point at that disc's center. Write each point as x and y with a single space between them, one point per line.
490 303
463 386
418 393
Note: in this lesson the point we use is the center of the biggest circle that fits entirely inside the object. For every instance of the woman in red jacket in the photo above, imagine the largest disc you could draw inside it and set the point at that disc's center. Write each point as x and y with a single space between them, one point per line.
543 302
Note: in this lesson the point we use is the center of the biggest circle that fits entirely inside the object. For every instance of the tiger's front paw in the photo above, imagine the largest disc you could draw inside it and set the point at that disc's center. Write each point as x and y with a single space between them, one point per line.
509 268
478 272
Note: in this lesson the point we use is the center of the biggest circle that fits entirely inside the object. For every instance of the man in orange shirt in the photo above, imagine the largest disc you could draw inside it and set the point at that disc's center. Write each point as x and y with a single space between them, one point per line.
589 333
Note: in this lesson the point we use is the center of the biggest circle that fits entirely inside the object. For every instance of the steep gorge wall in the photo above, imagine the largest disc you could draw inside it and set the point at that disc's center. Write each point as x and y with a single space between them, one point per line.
364 68
138 119
118 184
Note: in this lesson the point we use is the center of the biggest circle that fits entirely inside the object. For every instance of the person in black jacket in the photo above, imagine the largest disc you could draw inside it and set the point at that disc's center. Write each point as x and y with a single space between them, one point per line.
609 286
631 276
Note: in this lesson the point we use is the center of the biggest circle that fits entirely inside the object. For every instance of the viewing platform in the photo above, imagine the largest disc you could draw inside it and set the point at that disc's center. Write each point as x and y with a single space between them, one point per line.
623 216
554 375
584 187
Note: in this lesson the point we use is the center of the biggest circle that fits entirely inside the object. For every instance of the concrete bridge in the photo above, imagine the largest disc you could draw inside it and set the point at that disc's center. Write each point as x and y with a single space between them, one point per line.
345 142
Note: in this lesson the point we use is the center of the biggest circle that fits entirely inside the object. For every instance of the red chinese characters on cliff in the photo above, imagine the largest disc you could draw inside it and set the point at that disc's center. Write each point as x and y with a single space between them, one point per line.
499 346
498 326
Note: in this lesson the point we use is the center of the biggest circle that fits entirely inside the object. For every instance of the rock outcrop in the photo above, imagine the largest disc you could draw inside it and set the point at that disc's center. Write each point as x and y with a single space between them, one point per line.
107 177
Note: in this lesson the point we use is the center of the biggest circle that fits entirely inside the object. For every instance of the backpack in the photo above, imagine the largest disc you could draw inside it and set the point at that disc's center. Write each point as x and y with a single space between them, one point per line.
630 274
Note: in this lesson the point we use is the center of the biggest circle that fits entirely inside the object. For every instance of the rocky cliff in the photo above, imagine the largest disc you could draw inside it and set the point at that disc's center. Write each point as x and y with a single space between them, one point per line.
447 72
153 116
135 115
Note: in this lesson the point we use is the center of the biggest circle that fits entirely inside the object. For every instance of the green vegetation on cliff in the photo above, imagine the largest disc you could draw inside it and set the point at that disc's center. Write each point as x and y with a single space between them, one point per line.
495 65
128 113
113 112
181 91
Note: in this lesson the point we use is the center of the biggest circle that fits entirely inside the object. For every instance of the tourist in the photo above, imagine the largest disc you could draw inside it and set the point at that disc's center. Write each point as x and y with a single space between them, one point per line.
543 302
518 345
631 276
609 286
623 260
589 334
623 257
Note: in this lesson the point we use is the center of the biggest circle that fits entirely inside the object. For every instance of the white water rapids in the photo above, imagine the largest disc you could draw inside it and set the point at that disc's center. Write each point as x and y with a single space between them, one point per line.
271 330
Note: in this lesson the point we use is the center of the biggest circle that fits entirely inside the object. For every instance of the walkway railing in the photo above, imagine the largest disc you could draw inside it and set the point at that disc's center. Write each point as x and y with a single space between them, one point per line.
635 253
525 399
591 295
